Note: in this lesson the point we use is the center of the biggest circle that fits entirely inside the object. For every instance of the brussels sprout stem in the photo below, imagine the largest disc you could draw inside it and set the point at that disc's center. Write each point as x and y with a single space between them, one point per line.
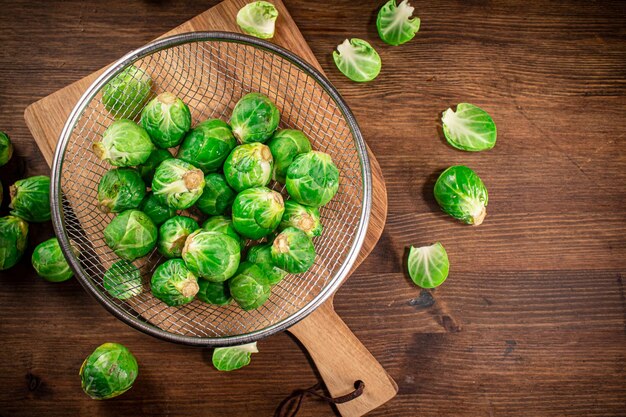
12 194
281 244
479 215
167 98
189 288
99 150
193 179
306 223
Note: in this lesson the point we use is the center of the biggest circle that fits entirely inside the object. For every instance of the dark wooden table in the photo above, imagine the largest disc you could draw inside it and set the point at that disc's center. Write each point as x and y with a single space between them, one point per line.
532 318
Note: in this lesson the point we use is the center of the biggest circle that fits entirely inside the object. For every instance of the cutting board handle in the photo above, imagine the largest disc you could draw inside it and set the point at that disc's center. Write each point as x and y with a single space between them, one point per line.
341 360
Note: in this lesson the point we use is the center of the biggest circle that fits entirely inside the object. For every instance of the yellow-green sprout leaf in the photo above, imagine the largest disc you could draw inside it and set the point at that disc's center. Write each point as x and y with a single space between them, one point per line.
428 266
258 19
470 128
357 60
395 24
231 358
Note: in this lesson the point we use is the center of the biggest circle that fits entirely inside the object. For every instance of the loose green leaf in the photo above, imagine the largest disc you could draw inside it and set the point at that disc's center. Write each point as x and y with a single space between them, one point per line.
231 358
462 194
395 24
470 128
428 266
258 19
357 60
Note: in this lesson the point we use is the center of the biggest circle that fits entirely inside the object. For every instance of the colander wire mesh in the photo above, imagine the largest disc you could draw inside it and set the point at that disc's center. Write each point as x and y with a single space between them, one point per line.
210 71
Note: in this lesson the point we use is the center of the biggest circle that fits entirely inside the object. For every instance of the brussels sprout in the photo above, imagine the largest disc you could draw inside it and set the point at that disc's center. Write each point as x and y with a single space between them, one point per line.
207 145
157 211
30 199
302 217
124 95
293 251
285 145
395 24
217 196
49 261
257 212
462 194
261 255
177 183
120 189
108 372
312 179
249 288
6 148
249 166
124 144
1 193
470 128
13 240
131 235
254 118
357 60
222 224
166 119
211 255
154 160
231 358
428 266
258 19
123 280
173 283
172 235
214 292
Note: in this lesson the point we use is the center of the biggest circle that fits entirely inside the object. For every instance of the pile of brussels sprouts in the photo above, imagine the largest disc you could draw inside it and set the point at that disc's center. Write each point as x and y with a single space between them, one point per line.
221 171
30 203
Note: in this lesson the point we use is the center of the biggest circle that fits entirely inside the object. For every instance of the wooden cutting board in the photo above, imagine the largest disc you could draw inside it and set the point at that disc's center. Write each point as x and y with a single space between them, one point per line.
338 354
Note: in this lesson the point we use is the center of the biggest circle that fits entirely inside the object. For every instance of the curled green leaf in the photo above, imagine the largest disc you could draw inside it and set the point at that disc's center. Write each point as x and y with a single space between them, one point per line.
258 19
395 24
470 128
231 358
428 266
357 60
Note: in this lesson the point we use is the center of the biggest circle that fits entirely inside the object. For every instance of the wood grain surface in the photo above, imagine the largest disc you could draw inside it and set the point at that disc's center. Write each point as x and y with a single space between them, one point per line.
531 321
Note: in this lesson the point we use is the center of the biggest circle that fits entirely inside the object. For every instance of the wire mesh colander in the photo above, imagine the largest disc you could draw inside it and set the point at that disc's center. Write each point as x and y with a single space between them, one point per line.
210 71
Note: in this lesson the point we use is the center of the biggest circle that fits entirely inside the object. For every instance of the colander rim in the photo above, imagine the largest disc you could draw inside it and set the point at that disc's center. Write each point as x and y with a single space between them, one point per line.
56 197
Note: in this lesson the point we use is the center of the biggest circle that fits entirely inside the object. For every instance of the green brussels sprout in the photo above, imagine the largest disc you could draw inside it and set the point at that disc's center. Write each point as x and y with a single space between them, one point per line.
1 193
235 357
257 212
395 24
211 255
124 144
173 283
131 235
258 19
470 128
428 266
30 199
223 224
157 211
154 160
49 261
172 235
207 145
293 251
302 217
357 60
166 119
285 145
261 255
108 372
249 166
254 118
312 179
6 148
126 93
461 193
217 196
214 292
177 183
120 189
13 240
249 287
122 280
